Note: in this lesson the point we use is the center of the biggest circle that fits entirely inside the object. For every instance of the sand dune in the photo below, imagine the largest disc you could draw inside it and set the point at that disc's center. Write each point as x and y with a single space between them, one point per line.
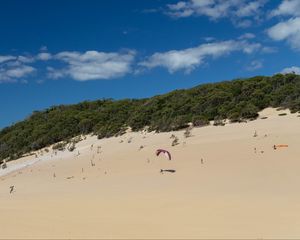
242 189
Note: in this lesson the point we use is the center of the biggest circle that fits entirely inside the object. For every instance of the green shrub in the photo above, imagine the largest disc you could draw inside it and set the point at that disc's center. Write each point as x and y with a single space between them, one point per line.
61 146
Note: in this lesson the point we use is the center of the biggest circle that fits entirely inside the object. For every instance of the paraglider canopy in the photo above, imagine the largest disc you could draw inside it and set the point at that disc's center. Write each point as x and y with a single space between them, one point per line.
165 152
280 146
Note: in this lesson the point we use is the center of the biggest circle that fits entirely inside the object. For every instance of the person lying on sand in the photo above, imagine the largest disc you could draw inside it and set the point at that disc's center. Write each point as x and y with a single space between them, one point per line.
167 170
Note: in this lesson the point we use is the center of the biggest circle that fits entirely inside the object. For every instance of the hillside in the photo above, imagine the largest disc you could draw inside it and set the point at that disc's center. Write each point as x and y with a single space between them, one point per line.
227 184
235 100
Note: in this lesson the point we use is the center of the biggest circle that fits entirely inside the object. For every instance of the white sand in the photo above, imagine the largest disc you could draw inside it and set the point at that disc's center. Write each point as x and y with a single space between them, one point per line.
235 193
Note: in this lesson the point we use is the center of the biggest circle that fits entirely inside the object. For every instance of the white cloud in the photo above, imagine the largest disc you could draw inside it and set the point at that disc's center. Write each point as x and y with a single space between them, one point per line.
14 68
191 58
19 72
23 59
26 59
287 30
209 39
247 36
288 8
210 8
92 65
6 58
291 70
249 9
95 65
254 65
55 73
239 11
13 72
44 56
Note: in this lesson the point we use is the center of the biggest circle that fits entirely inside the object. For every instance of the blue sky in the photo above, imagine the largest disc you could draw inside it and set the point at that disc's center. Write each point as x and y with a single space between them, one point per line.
62 52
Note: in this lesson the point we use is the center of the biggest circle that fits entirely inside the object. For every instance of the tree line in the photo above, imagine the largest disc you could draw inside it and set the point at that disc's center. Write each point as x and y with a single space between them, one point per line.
237 100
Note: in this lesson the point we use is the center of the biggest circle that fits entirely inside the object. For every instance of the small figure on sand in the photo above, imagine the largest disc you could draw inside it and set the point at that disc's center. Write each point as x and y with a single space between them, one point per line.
11 189
167 170
255 134
3 164
202 161
274 147
98 149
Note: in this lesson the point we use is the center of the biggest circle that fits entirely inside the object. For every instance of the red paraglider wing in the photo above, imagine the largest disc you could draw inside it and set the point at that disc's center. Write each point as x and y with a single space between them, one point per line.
167 153
158 151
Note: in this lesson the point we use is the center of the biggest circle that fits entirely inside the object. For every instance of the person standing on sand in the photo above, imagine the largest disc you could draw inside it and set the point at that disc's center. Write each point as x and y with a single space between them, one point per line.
11 189
201 160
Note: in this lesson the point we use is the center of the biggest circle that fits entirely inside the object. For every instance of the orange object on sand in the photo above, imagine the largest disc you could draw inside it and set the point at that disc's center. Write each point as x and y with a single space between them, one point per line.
281 145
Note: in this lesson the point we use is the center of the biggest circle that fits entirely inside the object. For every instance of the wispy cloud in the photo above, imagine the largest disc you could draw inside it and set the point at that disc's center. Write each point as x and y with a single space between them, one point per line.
96 65
92 65
80 66
291 70
13 69
6 58
191 58
287 8
287 30
254 65
44 56
241 12
247 36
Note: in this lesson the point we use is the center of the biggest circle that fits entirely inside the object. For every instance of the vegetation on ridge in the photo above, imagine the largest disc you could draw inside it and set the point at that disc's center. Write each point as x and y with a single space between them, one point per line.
235 100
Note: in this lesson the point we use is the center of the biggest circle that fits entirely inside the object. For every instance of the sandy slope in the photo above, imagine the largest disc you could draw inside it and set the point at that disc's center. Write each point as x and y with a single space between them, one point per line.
235 193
